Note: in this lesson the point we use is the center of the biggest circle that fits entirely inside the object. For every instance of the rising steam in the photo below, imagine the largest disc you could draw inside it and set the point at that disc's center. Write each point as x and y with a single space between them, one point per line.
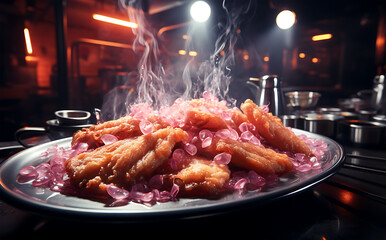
153 86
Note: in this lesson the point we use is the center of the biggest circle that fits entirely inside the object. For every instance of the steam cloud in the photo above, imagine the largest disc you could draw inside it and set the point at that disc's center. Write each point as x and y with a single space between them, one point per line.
154 87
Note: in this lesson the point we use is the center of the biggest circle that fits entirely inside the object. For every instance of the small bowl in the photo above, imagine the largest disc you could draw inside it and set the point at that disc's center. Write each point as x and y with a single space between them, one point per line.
73 117
324 124
362 133
302 99
293 121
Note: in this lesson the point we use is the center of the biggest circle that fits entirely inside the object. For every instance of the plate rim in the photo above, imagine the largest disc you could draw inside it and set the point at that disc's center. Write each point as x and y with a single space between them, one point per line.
41 208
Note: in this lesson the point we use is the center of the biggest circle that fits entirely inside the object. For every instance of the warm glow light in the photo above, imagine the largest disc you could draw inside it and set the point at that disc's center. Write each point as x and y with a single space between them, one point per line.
266 59
182 52
315 60
246 57
27 41
31 58
186 37
200 11
193 53
322 37
302 55
285 19
114 21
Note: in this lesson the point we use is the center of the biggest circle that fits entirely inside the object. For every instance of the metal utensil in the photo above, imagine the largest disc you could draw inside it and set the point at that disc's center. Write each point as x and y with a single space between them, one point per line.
325 124
268 92
302 99
360 132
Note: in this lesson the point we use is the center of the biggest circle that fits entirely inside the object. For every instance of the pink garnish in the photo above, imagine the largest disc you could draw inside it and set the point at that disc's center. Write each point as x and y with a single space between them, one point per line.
178 154
206 142
256 179
206 137
191 149
240 184
226 115
222 158
156 181
265 108
27 173
304 168
109 139
146 127
246 136
116 192
223 133
174 191
233 134
203 134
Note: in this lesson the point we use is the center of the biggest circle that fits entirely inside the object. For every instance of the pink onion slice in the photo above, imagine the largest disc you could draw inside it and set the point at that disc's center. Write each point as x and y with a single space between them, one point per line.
223 133
174 191
246 136
240 184
222 158
146 127
116 192
233 134
206 142
156 181
256 179
203 134
191 149
109 139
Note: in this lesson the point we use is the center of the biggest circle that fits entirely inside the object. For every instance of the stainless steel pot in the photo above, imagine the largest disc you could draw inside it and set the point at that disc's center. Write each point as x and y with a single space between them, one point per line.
293 121
364 133
324 124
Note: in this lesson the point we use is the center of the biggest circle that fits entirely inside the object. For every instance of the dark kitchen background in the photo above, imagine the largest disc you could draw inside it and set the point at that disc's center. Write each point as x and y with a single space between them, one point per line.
74 59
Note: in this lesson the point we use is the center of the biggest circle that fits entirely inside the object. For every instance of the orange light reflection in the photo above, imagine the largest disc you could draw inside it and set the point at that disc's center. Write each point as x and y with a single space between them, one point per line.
114 21
321 37
28 43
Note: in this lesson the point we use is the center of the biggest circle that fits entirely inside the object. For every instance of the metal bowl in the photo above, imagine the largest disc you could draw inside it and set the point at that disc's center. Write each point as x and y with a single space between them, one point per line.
302 99
325 124
363 133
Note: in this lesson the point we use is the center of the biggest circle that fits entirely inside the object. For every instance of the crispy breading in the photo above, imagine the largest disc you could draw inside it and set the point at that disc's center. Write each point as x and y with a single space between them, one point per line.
124 162
273 131
201 177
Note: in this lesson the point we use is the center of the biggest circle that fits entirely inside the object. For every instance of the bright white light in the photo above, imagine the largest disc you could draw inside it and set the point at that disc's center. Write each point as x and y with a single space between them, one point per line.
285 19
200 11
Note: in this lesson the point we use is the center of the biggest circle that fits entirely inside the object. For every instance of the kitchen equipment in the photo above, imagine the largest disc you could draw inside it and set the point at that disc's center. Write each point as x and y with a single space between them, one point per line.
73 117
378 99
380 118
328 109
293 121
268 92
325 124
47 202
362 133
66 124
302 99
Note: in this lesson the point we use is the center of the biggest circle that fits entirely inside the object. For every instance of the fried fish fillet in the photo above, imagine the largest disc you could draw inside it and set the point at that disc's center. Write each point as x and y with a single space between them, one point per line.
204 115
201 177
124 162
272 129
249 156
122 128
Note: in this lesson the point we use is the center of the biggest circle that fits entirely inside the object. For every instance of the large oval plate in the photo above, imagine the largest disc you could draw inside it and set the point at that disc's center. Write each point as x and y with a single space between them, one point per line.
44 201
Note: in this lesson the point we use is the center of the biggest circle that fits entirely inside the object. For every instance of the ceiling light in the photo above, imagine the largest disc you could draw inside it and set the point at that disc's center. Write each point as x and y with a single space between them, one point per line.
285 19
200 11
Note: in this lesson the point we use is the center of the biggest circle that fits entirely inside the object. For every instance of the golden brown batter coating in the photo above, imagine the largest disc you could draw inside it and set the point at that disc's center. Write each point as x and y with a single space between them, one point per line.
201 177
124 162
272 129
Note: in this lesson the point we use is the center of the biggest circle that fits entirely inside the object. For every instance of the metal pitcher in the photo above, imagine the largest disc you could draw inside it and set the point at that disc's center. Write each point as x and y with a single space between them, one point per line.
268 92
378 99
